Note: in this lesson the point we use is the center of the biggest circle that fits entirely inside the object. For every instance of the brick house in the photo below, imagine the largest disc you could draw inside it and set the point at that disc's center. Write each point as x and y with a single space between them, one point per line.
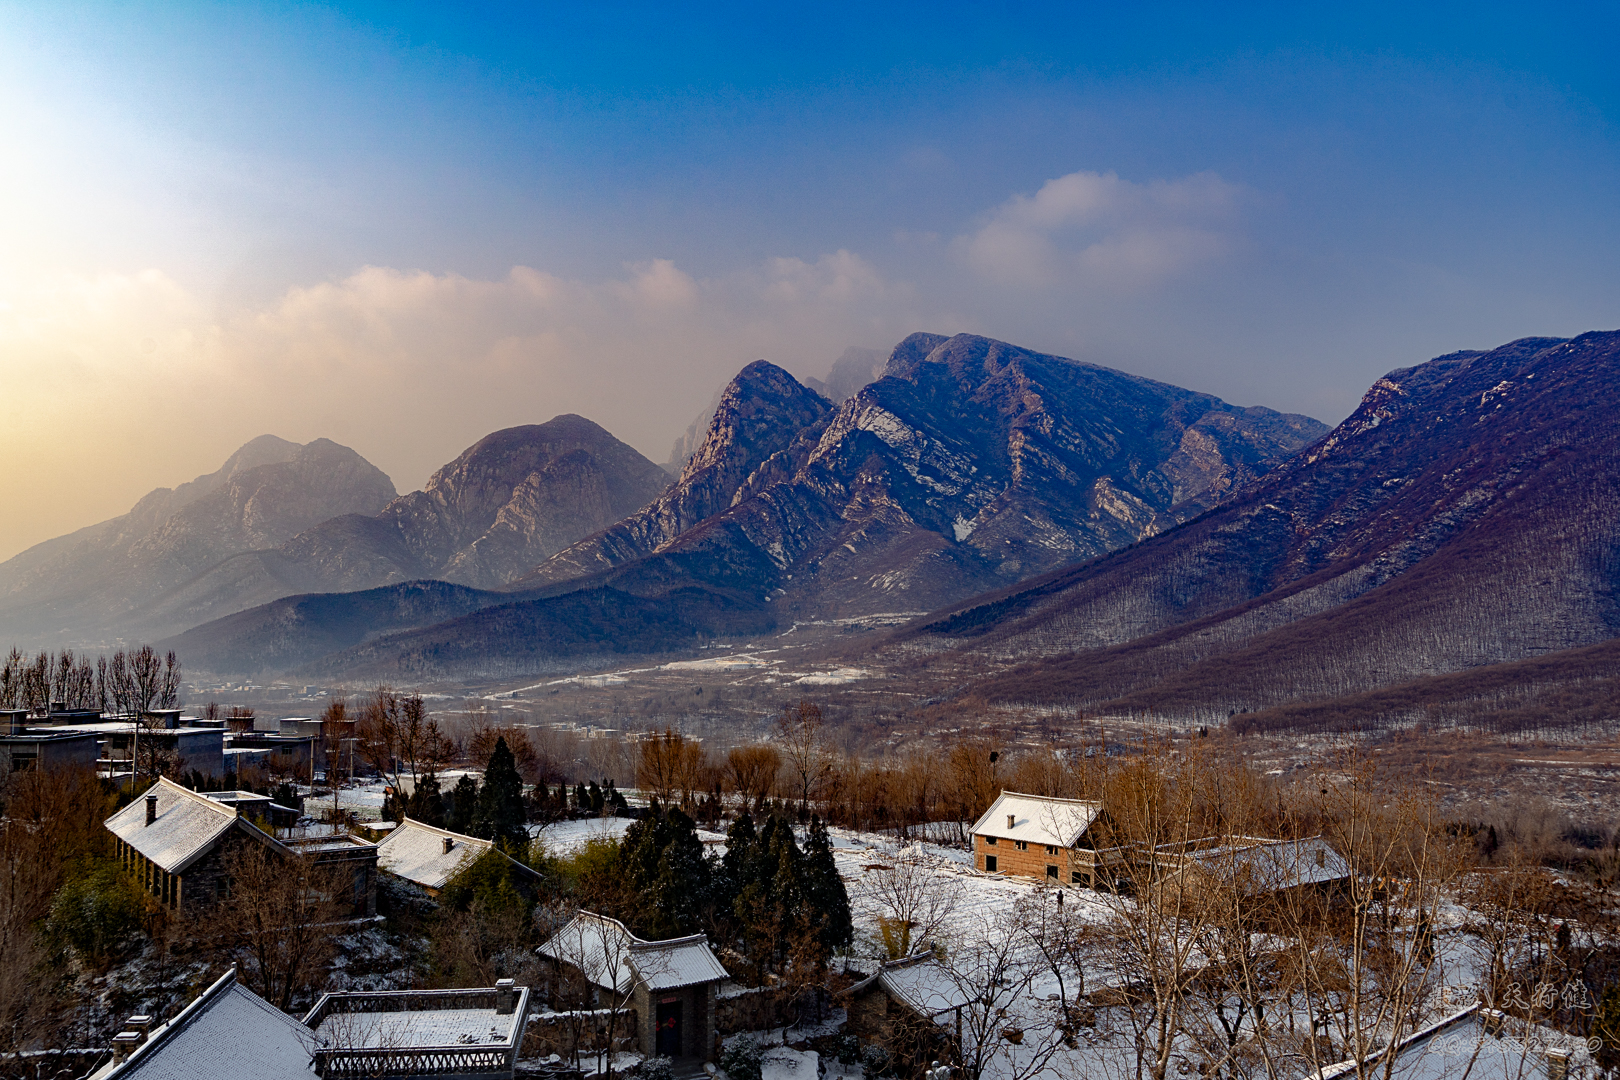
1034 836
178 843
667 988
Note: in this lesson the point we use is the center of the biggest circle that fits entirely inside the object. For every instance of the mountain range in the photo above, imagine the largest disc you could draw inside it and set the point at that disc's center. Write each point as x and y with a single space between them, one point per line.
1466 515
279 519
969 464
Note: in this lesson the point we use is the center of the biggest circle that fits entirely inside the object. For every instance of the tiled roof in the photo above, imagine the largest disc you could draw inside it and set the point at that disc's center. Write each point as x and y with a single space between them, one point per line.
924 984
186 827
229 1031
1037 819
408 1029
667 965
1269 865
610 956
415 852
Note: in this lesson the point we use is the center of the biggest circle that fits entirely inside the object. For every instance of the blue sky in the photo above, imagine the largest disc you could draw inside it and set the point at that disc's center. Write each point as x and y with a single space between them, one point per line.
401 227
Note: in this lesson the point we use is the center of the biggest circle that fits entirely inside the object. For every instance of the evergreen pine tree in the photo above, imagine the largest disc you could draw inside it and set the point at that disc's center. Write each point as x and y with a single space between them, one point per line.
500 814
595 794
582 801
664 866
427 802
463 805
824 889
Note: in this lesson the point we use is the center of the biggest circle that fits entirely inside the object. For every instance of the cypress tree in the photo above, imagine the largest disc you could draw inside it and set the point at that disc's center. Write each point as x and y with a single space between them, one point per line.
500 814
463 805
427 802
824 890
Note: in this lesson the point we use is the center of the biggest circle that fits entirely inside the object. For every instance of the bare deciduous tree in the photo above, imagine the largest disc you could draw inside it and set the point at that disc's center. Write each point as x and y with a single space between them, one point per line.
283 916
809 762
752 771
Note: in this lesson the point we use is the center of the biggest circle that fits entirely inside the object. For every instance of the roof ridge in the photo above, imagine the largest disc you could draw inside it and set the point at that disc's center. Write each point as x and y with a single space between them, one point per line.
435 829
180 1020
196 796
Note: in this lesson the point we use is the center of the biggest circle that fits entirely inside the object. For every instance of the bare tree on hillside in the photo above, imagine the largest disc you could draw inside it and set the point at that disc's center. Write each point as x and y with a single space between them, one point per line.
809 762
752 771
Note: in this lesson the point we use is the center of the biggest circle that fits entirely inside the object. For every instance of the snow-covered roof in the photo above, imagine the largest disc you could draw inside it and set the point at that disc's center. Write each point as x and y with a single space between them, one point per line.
1460 1045
1270 865
1037 819
187 825
415 852
228 1031
376 1021
610 956
922 983
668 965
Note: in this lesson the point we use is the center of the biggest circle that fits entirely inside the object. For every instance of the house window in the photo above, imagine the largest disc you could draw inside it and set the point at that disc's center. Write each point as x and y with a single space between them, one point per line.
1050 850
990 840
1051 872
1077 877
989 864
1021 845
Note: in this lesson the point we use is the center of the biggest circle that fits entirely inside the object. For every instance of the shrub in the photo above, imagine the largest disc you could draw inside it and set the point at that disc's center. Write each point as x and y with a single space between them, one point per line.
95 908
741 1060
656 1068
875 1059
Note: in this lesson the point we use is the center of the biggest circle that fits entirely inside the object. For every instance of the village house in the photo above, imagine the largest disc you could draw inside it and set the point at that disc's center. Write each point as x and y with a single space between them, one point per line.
911 1007
229 1031
178 843
429 857
667 986
1256 866
1034 836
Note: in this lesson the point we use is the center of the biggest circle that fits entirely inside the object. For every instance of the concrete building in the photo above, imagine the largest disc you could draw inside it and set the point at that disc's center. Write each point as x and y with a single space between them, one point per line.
1033 836
42 746
229 1031
669 986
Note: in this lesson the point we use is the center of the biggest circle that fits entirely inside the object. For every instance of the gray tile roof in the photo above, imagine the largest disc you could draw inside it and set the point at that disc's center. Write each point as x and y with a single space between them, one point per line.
228 1032
187 825
610 956
415 852
924 984
667 965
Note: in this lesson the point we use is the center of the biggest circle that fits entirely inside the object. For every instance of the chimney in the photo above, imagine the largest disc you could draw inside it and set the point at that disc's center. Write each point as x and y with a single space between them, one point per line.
140 1025
1557 1064
1012 819
448 844
505 997
58 706
151 809
123 1043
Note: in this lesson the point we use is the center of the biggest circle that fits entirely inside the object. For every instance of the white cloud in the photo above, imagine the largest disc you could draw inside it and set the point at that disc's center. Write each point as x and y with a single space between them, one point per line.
1098 230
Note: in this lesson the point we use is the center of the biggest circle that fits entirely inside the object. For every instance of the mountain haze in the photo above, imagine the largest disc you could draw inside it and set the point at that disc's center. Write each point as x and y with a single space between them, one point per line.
94 584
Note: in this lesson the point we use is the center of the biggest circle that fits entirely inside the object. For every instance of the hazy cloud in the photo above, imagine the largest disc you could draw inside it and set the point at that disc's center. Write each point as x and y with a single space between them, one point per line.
1101 231
408 367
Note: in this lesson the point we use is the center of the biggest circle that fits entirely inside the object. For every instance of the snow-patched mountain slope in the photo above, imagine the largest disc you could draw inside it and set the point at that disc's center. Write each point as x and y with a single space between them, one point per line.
1467 513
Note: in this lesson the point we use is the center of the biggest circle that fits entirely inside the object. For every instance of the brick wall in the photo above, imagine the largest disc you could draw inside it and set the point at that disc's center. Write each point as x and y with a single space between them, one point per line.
1032 862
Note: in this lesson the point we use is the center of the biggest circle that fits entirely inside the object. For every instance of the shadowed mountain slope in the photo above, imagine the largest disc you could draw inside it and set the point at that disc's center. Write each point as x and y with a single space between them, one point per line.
1467 514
